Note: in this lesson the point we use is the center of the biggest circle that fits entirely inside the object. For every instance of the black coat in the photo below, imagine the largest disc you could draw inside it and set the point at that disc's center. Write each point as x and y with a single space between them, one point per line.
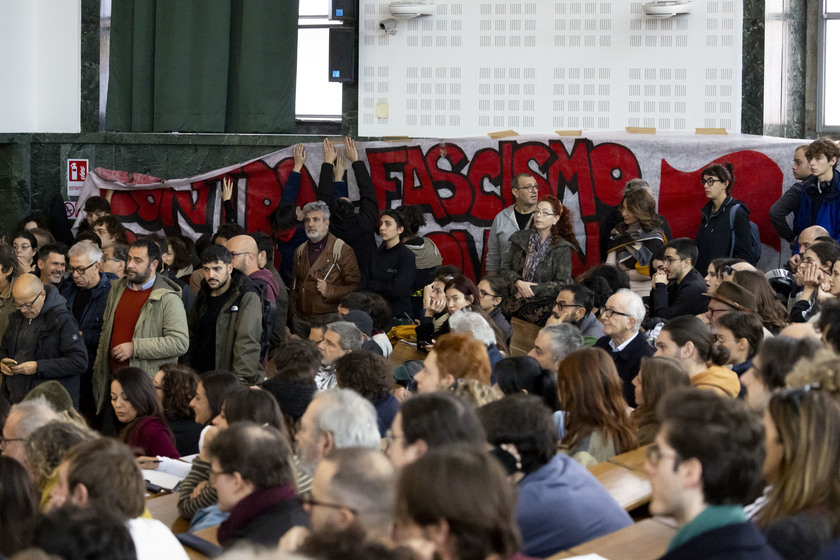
742 541
627 361
53 340
714 236
686 298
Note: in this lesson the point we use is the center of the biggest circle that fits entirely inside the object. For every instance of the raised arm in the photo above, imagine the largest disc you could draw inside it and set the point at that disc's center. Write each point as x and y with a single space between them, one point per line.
368 205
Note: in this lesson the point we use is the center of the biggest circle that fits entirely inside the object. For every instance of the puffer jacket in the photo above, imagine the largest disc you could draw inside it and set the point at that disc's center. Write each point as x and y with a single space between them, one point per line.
160 335
53 340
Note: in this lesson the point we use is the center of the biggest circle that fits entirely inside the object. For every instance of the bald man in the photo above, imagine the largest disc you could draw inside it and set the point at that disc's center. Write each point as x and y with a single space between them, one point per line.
807 238
42 342
245 251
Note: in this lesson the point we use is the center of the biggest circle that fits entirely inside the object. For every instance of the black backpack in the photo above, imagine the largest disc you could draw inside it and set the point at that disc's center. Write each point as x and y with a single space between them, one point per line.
269 315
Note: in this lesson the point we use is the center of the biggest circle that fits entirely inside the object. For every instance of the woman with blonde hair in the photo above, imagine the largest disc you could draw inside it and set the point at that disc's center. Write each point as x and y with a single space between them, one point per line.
657 376
802 512
597 426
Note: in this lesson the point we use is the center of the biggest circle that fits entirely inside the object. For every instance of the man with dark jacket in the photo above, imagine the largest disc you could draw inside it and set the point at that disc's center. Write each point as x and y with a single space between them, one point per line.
679 287
86 297
41 343
226 322
703 481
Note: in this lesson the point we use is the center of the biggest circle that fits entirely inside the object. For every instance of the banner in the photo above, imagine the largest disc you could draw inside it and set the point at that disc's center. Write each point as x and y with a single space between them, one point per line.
463 183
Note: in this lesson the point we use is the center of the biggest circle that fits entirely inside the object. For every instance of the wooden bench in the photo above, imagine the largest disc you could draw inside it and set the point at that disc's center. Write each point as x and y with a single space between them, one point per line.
403 351
645 540
523 336
634 460
629 488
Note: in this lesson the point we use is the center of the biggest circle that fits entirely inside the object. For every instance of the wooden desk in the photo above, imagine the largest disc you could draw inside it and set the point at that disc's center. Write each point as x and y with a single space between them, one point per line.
629 488
403 351
164 508
522 336
633 460
208 534
645 540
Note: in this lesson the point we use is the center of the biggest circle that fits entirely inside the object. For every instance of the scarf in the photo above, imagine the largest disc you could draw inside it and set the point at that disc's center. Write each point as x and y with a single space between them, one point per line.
251 507
628 242
537 251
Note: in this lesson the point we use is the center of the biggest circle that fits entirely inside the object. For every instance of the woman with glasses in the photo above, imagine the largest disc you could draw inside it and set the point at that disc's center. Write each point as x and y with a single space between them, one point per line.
458 292
722 234
492 291
802 513
539 261
25 246
637 238
815 275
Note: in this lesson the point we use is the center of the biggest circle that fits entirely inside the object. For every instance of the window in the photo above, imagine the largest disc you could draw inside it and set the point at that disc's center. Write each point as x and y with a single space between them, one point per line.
828 108
317 98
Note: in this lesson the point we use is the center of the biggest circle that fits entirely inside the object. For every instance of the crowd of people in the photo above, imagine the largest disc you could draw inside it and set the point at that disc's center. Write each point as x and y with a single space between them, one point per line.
265 385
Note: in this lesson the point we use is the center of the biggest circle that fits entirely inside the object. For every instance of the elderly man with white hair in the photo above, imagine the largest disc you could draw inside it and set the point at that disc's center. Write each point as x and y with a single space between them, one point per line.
470 322
622 317
24 418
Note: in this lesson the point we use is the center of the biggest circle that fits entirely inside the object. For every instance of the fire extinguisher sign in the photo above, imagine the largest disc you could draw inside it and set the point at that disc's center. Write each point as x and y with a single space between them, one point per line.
77 170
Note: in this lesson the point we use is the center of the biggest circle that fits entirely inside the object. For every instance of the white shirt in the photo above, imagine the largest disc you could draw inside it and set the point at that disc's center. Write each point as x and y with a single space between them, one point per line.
154 541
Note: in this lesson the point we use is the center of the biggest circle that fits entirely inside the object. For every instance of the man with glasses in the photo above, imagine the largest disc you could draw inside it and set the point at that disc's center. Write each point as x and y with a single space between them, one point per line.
352 487
704 480
728 297
42 342
622 318
86 297
114 259
512 219
23 420
679 287
251 470
573 305
555 342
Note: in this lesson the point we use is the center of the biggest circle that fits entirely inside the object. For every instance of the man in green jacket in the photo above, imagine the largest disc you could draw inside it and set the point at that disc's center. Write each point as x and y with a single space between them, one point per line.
226 321
144 325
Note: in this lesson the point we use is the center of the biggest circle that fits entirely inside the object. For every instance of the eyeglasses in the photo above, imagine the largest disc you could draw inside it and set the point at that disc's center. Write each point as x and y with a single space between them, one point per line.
482 293
564 305
214 476
655 455
21 247
81 269
306 499
542 213
106 258
607 313
672 260
712 311
29 305
529 188
709 182
241 253
6 441
794 396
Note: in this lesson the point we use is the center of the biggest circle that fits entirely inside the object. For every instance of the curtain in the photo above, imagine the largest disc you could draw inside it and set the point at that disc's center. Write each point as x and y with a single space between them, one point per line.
202 66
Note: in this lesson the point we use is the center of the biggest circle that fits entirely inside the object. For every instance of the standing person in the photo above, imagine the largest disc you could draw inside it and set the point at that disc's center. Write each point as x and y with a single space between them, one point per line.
539 261
716 236
114 259
704 482
615 216
41 343
110 231
26 247
816 199
514 218
86 297
226 322
356 229
393 266
635 240
52 263
144 324
426 254
8 274
325 269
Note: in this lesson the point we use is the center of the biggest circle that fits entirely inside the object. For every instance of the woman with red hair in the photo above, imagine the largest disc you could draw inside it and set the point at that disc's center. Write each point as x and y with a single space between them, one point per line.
454 356
597 425
540 261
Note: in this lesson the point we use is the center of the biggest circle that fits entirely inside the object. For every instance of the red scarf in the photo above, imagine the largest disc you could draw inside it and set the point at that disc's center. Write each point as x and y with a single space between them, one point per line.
252 506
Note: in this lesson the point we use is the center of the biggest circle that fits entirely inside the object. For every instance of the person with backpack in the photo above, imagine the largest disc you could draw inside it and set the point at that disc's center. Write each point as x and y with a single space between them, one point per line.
226 321
725 227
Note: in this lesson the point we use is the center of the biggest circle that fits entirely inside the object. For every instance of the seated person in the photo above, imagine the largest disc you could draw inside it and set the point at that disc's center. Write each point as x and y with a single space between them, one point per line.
139 412
455 356
741 333
251 468
657 377
560 503
459 292
688 340
597 426
373 378
703 482
493 292
102 474
555 342
480 326
574 305
678 289
774 316
176 385
775 360
73 533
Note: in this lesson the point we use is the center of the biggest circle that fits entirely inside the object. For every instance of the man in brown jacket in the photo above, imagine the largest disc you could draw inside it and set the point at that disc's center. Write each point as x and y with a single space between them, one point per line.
325 269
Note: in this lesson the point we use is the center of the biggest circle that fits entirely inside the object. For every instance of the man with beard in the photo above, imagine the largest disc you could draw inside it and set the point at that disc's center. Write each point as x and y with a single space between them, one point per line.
325 269
514 218
226 321
144 324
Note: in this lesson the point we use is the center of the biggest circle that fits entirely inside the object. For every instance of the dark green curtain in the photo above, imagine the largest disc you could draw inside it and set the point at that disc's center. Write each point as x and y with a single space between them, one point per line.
202 66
